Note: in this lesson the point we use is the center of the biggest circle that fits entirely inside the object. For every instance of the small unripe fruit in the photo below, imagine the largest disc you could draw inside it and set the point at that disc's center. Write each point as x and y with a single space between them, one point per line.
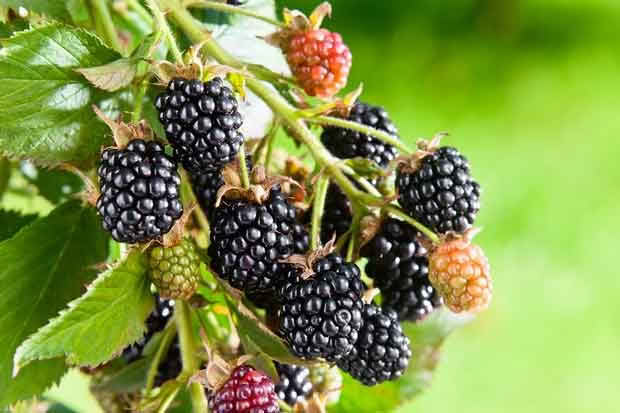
175 270
460 272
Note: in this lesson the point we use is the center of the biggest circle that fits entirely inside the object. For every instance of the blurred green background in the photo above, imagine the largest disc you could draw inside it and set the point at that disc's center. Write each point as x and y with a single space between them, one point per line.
530 91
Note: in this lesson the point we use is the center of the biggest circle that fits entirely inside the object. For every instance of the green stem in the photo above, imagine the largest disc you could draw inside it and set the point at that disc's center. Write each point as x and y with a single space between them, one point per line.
165 28
182 313
317 211
393 210
206 4
103 15
142 12
5 175
194 30
367 130
139 100
243 168
163 346
199 401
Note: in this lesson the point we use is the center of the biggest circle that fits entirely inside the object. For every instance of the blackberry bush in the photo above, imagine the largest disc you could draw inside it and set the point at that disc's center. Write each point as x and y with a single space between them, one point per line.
253 251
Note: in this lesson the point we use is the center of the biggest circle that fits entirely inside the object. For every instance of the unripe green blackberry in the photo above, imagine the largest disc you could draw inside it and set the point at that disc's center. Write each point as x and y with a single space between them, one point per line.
175 270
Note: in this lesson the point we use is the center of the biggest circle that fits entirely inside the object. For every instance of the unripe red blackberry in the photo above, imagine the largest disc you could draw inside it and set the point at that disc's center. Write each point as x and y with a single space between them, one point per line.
295 385
202 123
398 263
461 274
175 270
320 316
346 143
156 322
249 239
382 351
439 191
246 391
319 60
139 186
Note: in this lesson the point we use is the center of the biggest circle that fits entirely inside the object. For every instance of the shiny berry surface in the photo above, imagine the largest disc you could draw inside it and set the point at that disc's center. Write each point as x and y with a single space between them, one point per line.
246 391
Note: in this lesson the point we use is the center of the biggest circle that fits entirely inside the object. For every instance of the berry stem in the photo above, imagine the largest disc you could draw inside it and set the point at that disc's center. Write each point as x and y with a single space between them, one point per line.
136 115
206 4
194 30
318 207
243 167
139 9
164 345
394 210
162 25
186 337
102 15
367 130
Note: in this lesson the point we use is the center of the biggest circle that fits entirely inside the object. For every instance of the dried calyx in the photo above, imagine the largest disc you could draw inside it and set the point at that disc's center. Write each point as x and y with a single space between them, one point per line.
411 163
306 262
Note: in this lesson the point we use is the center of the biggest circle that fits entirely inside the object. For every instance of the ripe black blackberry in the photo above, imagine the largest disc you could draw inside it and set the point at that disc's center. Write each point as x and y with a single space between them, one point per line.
382 351
139 186
201 121
249 239
170 366
346 143
295 385
398 263
156 321
439 191
321 316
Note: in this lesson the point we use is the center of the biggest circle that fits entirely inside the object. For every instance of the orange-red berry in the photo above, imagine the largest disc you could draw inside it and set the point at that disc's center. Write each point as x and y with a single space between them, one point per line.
460 272
320 61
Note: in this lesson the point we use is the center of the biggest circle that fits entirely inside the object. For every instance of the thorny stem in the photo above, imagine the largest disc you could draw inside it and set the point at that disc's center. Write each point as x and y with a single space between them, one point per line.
206 4
165 28
101 10
317 211
243 168
367 130
394 210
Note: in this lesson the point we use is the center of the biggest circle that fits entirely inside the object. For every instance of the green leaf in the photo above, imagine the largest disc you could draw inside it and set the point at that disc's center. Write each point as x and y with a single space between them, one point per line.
45 105
112 76
44 266
5 175
98 325
56 9
55 185
11 222
426 339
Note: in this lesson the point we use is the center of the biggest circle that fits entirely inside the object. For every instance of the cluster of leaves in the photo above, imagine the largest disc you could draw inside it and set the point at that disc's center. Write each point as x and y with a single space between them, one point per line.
69 300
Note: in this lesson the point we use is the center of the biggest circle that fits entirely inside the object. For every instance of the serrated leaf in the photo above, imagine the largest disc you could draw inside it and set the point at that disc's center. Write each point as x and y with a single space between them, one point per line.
55 185
426 338
45 105
98 325
112 76
57 9
11 222
44 266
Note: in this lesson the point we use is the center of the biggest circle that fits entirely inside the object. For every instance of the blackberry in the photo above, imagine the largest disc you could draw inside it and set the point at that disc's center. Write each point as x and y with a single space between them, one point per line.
440 193
175 270
248 241
294 385
398 263
170 366
201 121
382 351
301 238
235 2
246 391
156 322
139 198
346 143
321 315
